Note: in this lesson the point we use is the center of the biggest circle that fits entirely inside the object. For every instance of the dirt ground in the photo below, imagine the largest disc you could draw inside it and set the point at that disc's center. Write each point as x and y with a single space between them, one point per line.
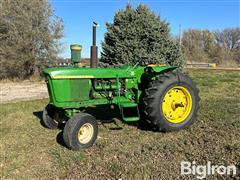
18 91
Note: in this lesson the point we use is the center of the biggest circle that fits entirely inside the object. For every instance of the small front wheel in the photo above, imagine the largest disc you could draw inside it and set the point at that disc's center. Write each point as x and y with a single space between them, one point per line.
48 117
80 131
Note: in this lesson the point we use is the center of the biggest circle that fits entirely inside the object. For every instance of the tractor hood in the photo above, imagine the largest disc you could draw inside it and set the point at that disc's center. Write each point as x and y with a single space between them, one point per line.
91 73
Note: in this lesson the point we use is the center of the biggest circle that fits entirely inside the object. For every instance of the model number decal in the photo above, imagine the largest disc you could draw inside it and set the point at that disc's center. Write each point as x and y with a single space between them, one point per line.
73 77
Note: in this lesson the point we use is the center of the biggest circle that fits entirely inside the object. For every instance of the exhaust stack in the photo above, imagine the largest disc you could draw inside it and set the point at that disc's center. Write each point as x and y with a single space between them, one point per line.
94 48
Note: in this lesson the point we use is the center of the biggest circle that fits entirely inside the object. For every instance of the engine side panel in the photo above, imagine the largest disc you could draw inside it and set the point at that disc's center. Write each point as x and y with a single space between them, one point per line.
70 90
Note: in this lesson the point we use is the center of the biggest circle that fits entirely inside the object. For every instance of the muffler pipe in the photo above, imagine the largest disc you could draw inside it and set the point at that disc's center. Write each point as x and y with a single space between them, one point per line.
94 48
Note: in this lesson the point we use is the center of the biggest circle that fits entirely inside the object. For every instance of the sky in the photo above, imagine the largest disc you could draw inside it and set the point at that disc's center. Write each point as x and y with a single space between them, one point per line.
78 16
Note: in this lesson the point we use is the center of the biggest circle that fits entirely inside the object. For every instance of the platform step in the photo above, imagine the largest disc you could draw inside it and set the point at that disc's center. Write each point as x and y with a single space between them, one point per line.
129 111
130 119
128 104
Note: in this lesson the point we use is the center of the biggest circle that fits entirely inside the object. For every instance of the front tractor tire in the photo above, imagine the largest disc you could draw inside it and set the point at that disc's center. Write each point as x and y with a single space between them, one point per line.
171 102
80 131
49 116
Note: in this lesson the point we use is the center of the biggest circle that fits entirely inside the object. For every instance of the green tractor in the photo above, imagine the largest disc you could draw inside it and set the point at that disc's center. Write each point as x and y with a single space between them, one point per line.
158 95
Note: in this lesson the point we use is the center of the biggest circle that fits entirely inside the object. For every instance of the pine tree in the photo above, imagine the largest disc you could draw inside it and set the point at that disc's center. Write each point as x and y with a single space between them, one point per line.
136 34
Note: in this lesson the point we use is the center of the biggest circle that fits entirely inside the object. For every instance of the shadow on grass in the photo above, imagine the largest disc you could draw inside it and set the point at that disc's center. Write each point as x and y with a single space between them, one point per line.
38 114
59 139
105 115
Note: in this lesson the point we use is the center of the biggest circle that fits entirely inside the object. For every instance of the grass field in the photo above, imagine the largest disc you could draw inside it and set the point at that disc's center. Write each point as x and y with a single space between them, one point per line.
28 150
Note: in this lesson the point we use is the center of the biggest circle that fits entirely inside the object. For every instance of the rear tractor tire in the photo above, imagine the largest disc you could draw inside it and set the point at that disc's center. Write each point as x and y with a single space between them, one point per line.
80 131
171 102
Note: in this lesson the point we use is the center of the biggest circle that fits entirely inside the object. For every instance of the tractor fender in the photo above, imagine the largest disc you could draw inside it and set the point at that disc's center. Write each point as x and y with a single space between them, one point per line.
163 69
152 73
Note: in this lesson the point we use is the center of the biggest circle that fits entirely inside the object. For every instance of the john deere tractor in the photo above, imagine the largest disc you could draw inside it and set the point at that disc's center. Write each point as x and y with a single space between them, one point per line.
156 94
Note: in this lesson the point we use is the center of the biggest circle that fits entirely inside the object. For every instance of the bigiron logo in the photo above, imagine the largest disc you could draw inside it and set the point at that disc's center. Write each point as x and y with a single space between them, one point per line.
202 171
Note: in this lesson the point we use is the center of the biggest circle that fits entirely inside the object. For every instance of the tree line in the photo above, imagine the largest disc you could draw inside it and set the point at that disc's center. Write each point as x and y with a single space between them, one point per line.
219 46
30 34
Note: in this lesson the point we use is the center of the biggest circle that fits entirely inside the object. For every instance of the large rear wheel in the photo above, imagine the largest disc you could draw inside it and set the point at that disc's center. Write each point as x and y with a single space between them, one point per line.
171 102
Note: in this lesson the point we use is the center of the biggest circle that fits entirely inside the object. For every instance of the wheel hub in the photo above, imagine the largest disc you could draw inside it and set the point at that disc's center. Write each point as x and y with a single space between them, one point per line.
177 104
85 133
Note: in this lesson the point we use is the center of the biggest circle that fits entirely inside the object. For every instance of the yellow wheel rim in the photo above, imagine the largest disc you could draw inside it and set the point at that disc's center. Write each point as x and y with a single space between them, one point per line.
85 133
177 104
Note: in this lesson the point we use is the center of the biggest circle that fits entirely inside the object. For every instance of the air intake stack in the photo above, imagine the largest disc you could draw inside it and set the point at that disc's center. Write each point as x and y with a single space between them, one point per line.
94 48
75 53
